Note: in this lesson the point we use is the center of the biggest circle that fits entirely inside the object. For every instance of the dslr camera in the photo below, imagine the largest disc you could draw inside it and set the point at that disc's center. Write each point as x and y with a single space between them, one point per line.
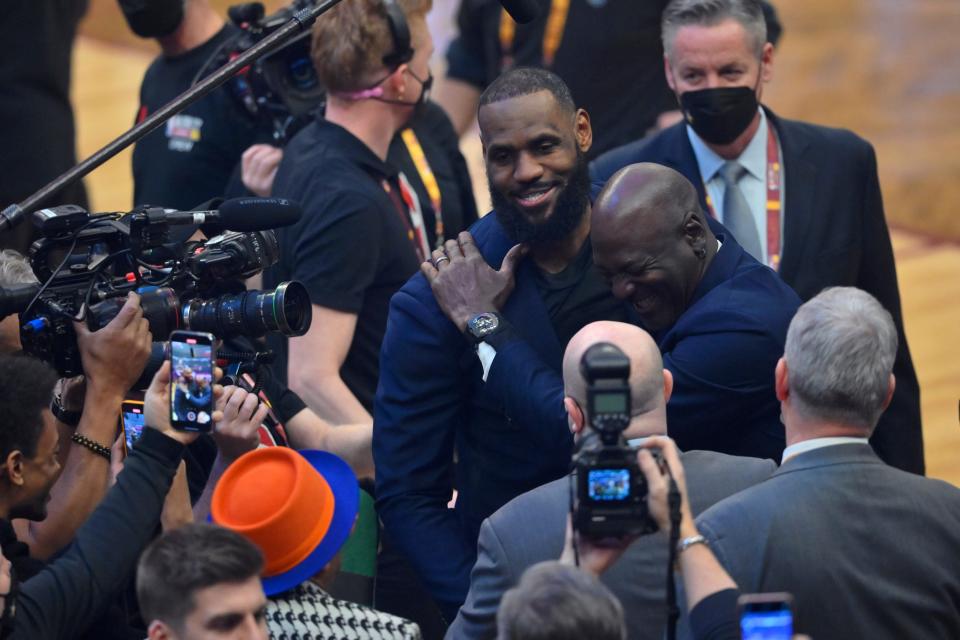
611 496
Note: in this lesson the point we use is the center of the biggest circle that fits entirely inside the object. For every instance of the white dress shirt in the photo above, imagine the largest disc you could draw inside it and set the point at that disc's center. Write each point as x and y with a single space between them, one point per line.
753 184
818 443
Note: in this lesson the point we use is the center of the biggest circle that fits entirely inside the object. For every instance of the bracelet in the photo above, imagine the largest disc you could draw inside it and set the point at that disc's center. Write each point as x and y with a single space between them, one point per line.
94 447
686 543
67 417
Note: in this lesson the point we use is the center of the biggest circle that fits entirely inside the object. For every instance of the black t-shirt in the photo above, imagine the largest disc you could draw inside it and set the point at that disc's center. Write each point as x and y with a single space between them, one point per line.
441 146
609 54
351 248
577 296
190 158
36 119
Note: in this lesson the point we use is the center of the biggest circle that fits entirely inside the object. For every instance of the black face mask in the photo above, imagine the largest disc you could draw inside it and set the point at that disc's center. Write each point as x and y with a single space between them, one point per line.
152 18
719 115
425 87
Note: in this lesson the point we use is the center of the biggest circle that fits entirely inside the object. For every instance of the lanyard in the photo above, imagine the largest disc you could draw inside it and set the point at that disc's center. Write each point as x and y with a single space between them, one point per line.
552 34
773 177
427 178
407 203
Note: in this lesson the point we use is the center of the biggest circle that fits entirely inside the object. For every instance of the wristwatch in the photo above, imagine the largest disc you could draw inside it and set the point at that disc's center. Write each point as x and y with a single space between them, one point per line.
64 415
482 326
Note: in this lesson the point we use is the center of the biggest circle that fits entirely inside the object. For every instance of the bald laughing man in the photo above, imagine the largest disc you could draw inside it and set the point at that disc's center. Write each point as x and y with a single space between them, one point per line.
718 316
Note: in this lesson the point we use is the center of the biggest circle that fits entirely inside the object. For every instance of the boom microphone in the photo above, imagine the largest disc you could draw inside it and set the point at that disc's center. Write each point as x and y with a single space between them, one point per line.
522 11
242 214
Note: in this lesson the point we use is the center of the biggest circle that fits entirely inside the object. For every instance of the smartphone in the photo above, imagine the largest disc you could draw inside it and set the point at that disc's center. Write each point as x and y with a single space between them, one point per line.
766 616
131 421
191 380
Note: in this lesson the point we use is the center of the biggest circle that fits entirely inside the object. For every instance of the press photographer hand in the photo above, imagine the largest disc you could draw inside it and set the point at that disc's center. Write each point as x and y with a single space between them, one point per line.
238 431
464 284
156 405
658 484
596 556
114 357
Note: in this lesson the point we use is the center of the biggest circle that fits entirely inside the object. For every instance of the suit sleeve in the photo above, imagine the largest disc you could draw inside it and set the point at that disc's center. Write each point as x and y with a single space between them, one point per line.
70 593
416 413
532 395
721 379
490 579
898 438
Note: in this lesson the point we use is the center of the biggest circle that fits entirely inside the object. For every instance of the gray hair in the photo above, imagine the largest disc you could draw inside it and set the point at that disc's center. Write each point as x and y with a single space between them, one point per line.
840 351
559 602
14 269
707 13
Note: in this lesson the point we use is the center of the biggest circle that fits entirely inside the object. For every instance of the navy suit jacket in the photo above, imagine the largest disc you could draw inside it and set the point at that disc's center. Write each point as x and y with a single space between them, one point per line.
834 234
722 352
431 401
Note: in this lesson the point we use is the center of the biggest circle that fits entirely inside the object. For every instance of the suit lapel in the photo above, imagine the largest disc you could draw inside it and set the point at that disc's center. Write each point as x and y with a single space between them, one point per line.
801 176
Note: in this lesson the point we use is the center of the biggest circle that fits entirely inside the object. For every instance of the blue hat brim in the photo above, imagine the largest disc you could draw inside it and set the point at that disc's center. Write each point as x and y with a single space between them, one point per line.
346 492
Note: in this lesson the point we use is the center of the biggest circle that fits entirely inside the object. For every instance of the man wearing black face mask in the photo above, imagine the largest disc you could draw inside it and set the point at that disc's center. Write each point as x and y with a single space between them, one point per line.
804 200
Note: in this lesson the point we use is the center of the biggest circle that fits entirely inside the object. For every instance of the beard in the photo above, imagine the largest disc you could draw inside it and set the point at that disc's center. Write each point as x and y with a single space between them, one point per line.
568 212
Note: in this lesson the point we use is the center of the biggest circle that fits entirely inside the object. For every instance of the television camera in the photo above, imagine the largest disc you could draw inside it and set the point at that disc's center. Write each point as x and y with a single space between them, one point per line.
192 285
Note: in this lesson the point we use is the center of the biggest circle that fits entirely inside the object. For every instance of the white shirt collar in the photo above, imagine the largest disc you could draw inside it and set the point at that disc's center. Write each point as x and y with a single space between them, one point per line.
818 443
753 158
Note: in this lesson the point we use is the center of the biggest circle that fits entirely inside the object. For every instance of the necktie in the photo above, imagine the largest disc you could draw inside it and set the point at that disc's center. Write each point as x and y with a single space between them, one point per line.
736 212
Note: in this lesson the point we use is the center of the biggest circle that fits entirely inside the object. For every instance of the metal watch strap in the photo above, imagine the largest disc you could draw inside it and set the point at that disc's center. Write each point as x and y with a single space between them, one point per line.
689 541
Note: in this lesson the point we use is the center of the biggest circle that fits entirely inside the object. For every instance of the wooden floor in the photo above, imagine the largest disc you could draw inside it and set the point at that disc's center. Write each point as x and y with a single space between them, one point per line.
896 82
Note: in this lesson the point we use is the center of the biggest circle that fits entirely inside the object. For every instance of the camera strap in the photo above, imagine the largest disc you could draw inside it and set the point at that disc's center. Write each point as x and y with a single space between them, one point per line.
673 611
576 545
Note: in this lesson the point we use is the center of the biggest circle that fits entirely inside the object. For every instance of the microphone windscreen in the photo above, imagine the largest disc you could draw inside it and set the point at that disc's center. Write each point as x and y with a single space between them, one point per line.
522 11
258 214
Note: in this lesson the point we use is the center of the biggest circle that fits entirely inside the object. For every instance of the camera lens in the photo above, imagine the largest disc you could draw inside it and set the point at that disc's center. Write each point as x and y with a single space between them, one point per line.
301 73
286 310
159 306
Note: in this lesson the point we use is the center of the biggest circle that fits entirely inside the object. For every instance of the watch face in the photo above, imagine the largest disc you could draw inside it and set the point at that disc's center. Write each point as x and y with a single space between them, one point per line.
483 324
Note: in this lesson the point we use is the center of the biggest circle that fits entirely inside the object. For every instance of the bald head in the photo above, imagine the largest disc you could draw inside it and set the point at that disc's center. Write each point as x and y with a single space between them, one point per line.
647 193
651 240
646 368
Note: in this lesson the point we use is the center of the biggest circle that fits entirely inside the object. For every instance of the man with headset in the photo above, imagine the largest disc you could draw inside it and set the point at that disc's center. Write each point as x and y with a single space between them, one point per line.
363 232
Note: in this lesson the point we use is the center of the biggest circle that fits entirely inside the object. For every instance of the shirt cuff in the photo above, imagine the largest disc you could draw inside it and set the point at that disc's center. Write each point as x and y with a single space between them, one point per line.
486 353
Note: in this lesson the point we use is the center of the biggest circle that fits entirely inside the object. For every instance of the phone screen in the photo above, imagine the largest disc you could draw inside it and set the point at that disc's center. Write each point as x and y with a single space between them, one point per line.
132 416
191 380
766 618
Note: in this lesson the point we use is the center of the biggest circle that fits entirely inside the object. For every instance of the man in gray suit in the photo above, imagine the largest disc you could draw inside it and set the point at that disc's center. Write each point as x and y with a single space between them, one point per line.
531 528
867 551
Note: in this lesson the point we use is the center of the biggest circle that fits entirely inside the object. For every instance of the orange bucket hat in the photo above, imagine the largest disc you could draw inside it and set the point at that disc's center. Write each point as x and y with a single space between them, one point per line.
297 507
